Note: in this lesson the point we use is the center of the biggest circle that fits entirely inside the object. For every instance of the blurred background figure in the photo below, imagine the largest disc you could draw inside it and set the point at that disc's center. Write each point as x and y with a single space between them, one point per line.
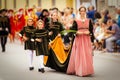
12 24
91 12
4 28
118 17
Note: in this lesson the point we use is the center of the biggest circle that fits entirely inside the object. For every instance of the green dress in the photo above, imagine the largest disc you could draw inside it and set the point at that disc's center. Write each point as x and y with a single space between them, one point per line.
41 47
28 31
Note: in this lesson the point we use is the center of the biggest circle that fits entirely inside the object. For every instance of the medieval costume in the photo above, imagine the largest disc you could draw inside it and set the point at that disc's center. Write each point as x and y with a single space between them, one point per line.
4 28
81 59
81 63
44 16
12 24
55 27
59 54
27 33
41 47
20 20
31 14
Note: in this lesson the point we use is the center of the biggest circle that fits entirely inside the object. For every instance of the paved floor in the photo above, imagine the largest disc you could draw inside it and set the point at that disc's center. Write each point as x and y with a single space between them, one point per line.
13 66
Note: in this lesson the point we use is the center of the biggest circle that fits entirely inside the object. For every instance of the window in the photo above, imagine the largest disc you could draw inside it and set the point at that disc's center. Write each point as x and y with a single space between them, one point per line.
39 2
27 3
112 3
0 4
53 2
14 4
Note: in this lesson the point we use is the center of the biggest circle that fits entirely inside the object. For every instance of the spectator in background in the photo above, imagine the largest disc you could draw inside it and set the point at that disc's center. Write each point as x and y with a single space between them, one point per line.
97 17
105 15
99 34
116 35
72 13
38 11
118 18
4 28
44 16
91 12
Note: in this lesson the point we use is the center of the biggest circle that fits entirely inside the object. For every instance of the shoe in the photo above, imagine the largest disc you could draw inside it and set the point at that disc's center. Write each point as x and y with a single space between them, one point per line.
3 50
31 68
41 70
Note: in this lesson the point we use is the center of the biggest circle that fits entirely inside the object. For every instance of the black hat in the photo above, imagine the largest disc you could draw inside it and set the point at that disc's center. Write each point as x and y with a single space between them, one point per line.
3 10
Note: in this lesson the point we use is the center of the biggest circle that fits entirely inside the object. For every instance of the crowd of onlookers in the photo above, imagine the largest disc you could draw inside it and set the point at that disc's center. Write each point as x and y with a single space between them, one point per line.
106 28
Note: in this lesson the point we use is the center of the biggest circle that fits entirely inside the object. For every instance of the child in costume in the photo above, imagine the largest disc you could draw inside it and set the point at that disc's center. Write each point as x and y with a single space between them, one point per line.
27 34
41 44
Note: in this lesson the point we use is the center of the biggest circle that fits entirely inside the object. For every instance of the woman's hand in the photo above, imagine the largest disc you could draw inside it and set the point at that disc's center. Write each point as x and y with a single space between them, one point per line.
0 29
50 33
79 32
87 32
38 40
25 38
59 35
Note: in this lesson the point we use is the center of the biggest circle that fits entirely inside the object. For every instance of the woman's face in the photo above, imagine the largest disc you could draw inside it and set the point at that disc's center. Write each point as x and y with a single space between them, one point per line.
109 22
82 11
67 11
30 22
103 25
54 16
45 13
40 25
118 11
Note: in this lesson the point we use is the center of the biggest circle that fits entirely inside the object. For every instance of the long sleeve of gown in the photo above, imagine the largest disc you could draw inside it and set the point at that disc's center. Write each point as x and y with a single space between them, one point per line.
91 31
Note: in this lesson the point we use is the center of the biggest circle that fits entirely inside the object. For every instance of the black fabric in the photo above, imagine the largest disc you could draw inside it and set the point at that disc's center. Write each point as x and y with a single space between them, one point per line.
70 35
55 64
55 27
91 31
4 25
28 31
41 47
52 61
3 42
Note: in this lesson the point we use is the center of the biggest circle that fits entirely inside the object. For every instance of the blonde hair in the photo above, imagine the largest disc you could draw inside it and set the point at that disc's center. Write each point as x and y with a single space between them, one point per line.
39 21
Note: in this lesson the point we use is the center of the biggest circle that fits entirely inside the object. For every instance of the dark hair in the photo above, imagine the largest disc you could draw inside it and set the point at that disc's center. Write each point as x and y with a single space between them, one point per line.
50 9
44 10
55 8
114 21
97 15
82 7
41 15
106 12
4 10
104 21
62 13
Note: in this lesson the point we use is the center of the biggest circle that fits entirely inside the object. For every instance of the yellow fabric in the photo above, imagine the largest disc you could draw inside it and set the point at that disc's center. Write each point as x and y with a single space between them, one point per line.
45 59
59 49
